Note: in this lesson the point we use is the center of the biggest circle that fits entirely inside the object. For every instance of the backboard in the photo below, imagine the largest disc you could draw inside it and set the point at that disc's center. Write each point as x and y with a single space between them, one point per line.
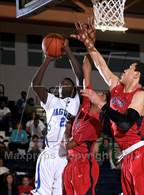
27 7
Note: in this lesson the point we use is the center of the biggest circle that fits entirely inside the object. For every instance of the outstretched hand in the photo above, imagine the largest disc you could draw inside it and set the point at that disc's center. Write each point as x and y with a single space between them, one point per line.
82 32
85 35
93 97
89 27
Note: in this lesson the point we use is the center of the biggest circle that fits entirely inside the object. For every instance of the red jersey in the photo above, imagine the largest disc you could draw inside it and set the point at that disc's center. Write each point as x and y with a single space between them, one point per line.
120 101
25 189
86 127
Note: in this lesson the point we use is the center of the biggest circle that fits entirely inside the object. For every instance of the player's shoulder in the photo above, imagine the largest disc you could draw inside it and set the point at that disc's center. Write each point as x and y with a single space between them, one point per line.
51 97
139 96
75 98
139 93
116 86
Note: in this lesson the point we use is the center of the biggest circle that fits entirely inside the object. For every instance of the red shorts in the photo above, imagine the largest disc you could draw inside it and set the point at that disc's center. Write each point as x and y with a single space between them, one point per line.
80 176
132 177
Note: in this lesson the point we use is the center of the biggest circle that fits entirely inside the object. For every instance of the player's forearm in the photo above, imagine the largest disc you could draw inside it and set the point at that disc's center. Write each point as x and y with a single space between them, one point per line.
98 60
123 120
76 67
110 78
70 145
38 77
87 71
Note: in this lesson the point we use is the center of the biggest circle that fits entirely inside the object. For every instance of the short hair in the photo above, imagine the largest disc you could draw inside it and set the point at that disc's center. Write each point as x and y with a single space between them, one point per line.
106 138
140 68
35 136
23 93
74 87
69 79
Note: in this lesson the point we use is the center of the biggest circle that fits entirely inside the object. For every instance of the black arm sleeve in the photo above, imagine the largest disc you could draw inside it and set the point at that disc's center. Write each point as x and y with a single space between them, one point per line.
124 121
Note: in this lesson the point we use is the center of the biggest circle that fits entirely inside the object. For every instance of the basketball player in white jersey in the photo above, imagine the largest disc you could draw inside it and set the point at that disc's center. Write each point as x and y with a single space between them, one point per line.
50 163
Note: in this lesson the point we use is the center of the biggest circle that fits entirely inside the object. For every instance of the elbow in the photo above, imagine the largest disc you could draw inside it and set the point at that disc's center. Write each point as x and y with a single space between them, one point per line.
34 84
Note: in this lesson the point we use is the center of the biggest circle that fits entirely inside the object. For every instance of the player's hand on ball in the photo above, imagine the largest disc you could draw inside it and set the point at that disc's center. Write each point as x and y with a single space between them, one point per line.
66 43
66 46
48 58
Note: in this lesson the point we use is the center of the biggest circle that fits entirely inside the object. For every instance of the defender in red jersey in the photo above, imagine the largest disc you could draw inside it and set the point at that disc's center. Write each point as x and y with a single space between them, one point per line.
126 112
82 171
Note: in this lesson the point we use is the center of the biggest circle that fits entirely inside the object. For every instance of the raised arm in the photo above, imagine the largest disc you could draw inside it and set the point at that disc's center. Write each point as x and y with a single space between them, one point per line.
76 67
86 67
84 35
41 91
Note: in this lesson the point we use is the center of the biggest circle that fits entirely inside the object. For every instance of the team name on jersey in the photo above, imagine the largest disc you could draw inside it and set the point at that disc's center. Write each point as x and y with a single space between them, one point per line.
117 101
61 111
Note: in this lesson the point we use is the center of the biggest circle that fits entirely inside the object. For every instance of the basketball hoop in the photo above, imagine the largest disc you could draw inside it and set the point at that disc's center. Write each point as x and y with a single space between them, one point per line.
109 15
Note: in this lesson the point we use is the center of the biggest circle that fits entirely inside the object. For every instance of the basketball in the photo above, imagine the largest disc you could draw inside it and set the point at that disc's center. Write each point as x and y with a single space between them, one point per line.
53 44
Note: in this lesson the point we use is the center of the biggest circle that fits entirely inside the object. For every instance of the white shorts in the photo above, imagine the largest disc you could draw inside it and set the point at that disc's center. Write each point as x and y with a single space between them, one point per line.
49 170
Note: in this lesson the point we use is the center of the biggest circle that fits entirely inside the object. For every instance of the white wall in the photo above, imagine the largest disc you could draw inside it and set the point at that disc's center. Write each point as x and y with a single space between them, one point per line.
17 78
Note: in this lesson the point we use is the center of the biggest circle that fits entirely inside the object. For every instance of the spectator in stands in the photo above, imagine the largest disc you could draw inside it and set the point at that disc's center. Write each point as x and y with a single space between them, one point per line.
5 115
9 187
25 188
6 142
35 126
1 138
3 170
30 109
114 163
106 152
20 104
35 145
34 151
18 139
3 149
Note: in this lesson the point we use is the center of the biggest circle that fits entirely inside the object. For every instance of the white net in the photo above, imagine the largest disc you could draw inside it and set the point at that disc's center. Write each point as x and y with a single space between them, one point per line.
109 15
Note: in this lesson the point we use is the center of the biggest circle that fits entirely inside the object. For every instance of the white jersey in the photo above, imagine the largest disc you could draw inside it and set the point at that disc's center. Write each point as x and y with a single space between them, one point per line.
57 110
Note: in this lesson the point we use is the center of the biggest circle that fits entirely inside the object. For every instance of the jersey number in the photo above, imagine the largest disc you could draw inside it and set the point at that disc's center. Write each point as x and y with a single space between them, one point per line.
62 122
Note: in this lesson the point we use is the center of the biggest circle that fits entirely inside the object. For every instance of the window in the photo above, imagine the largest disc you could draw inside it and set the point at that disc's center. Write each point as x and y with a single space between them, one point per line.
34 50
7 48
118 56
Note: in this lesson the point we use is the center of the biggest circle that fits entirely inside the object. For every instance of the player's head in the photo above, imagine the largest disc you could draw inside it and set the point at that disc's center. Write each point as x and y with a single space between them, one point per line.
140 68
36 121
23 94
25 181
104 95
2 104
106 142
68 88
134 74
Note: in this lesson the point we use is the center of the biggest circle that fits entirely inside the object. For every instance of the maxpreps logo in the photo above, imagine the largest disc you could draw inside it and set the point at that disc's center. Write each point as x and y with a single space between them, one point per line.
117 102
